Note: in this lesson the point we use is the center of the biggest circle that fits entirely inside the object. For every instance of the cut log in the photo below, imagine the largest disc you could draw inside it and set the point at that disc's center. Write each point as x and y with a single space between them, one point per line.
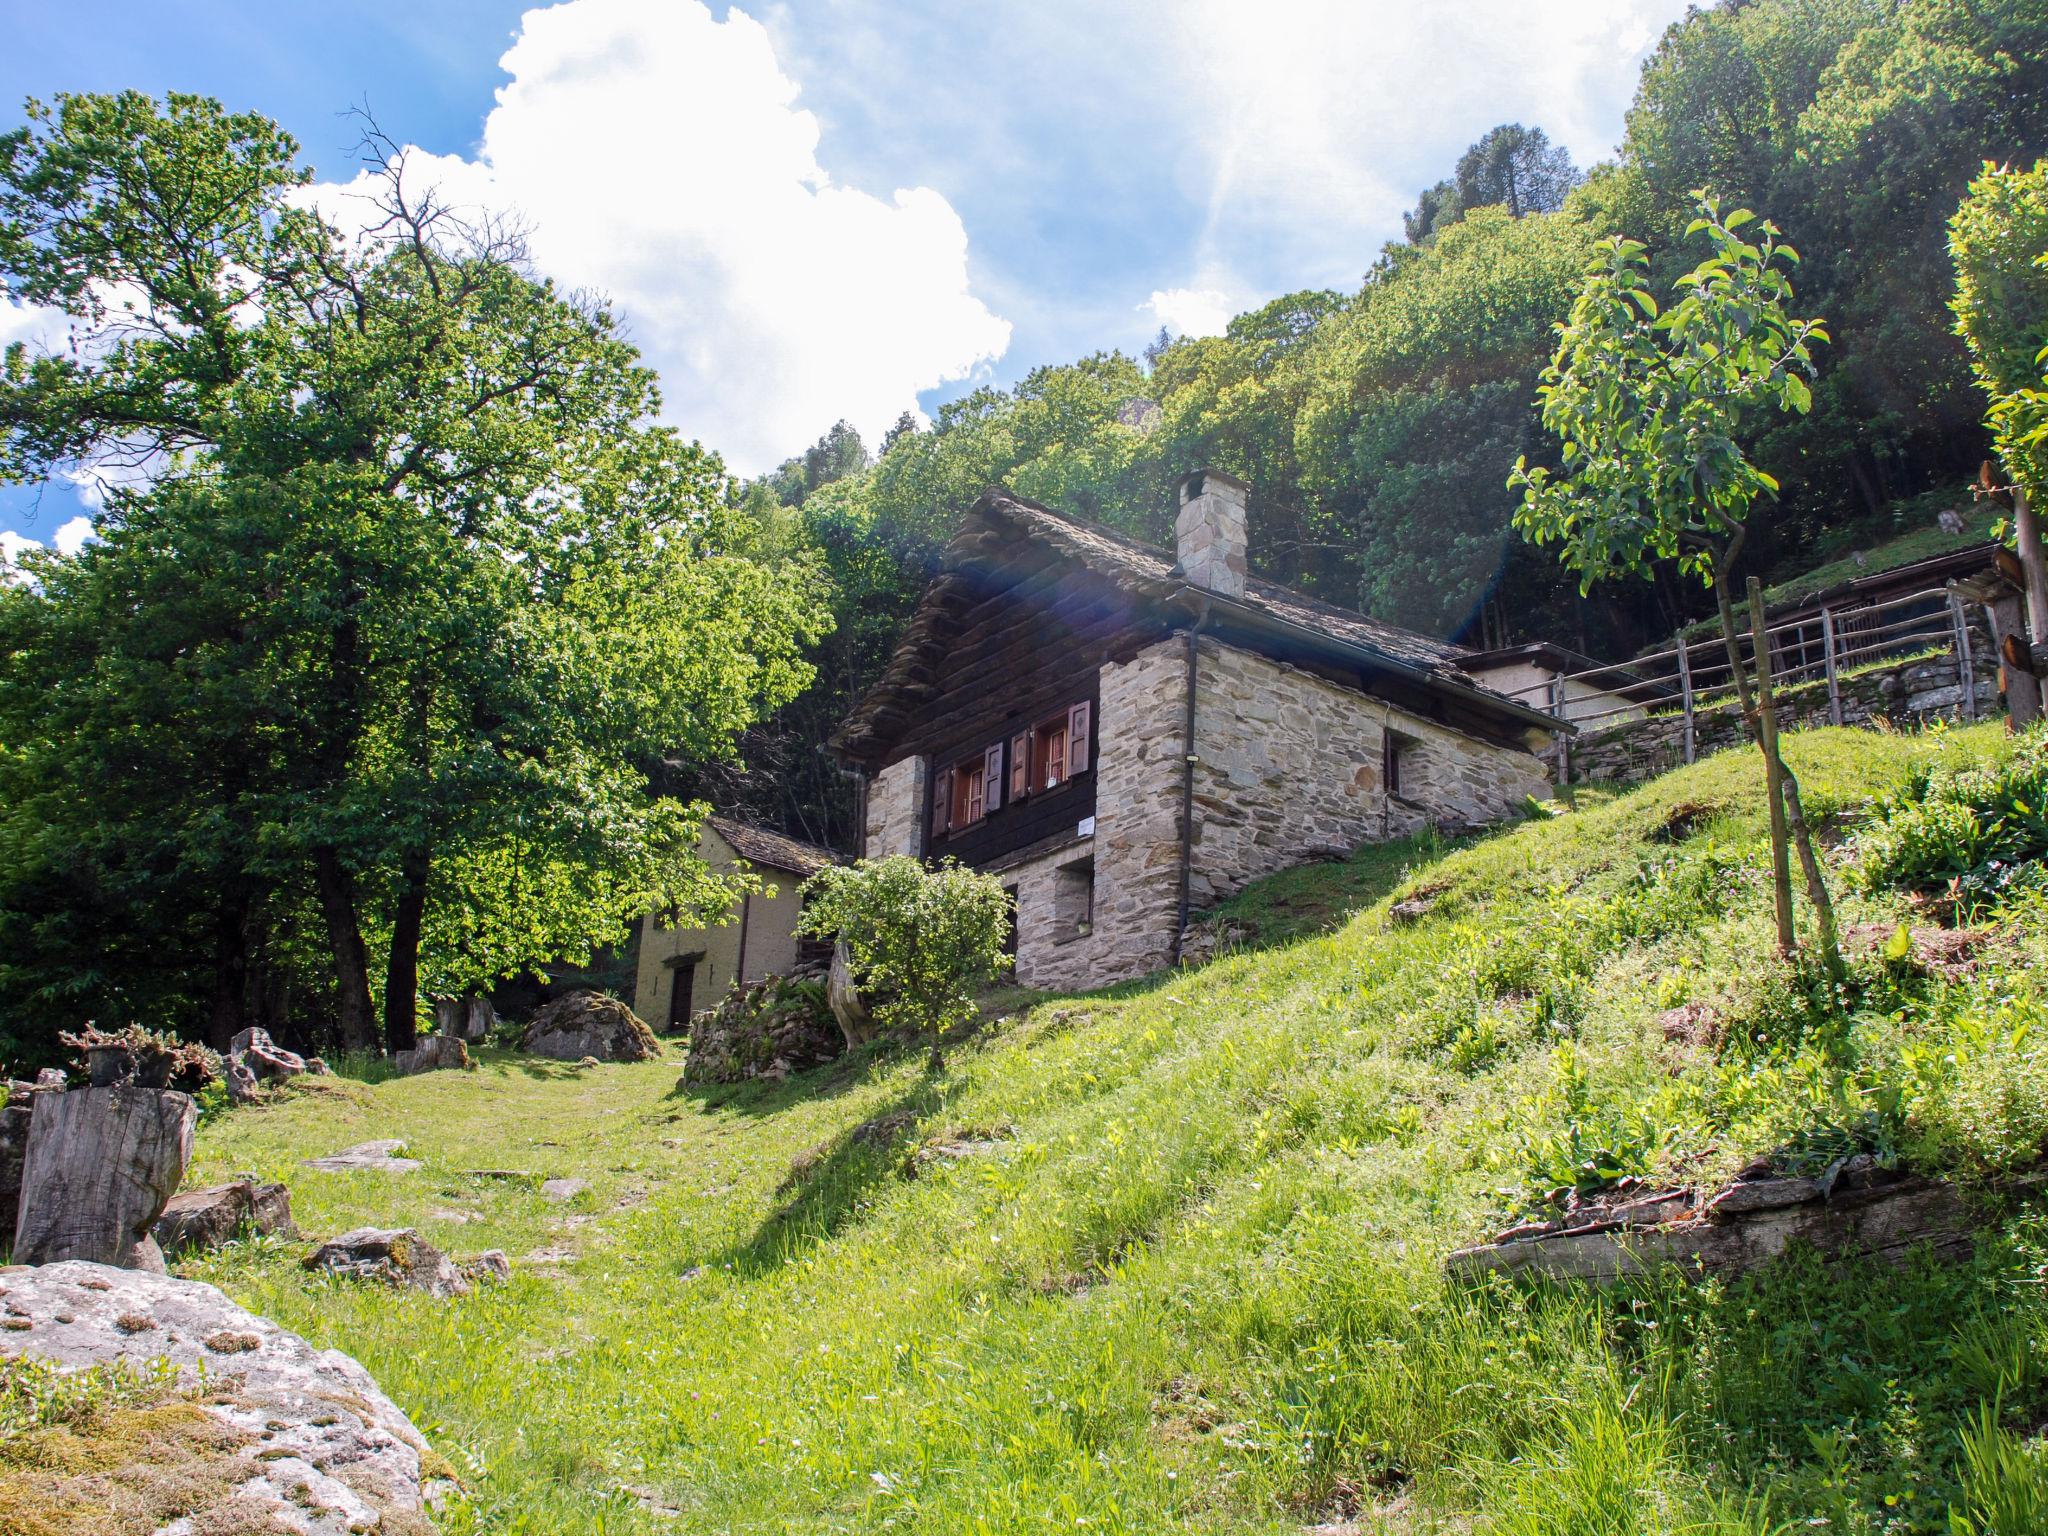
436 1053
102 1164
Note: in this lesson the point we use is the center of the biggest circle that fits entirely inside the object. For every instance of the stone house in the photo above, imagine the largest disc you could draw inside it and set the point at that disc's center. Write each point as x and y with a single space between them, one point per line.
1126 736
682 971
1550 677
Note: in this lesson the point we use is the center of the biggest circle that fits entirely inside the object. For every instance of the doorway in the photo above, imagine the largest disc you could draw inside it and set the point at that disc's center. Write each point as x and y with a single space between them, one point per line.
682 992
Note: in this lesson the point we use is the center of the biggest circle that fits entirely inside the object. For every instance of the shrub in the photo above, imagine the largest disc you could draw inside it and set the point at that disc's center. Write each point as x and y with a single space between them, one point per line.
921 941
1979 831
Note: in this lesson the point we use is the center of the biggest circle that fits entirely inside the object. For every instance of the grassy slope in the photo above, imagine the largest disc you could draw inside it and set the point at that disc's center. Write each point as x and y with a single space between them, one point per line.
1189 1279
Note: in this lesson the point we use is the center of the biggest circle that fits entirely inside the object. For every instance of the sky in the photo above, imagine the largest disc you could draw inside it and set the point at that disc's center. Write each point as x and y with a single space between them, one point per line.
819 209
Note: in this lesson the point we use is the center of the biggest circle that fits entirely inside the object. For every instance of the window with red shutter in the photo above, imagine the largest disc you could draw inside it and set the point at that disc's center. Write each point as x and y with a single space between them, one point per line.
1077 739
1020 766
992 778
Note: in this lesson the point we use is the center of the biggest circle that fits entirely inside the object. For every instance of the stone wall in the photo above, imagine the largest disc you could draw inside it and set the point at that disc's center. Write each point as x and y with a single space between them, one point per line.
1290 771
895 806
1909 692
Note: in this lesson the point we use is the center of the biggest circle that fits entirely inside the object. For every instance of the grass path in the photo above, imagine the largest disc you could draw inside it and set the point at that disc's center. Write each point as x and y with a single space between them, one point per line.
1168 1258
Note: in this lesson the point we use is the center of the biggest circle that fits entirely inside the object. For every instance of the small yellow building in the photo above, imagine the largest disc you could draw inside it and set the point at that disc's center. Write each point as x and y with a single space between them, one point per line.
686 970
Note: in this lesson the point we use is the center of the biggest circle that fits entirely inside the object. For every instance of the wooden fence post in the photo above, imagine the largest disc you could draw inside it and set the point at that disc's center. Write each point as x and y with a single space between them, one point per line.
1827 651
1685 697
1564 740
1966 664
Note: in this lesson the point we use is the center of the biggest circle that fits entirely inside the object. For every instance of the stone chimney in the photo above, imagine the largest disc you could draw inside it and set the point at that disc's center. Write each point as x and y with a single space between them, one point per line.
1209 533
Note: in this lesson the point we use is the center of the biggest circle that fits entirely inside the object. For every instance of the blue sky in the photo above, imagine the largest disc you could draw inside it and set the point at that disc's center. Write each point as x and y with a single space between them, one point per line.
844 207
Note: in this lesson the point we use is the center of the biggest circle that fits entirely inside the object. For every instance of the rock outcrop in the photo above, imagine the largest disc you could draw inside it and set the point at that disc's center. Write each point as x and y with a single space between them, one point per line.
777 1026
377 1156
101 1165
580 1024
199 1219
1858 1208
299 1439
392 1255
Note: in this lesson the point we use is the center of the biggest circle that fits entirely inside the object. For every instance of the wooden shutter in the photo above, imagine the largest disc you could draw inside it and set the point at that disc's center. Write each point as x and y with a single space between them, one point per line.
1390 762
1077 739
942 802
1020 766
992 779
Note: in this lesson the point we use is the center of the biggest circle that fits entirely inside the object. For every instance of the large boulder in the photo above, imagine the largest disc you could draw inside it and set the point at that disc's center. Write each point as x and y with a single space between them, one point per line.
777 1026
198 1219
580 1024
395 1256
101 1165
286 1437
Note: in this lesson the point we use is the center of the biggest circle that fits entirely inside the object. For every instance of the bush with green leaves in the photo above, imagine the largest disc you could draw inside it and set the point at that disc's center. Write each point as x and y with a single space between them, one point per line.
921 941
1979 830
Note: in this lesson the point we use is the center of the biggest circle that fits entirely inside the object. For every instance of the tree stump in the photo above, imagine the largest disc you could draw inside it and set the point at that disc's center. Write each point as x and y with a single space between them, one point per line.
855 1021
102 1164
14 1123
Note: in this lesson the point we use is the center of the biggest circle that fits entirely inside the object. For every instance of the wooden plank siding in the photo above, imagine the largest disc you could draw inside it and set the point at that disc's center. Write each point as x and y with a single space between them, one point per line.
1024 639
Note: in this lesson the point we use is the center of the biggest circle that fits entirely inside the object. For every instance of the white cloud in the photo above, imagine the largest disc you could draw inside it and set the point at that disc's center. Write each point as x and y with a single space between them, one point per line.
71 537
11 546
1191 311
658 156
1311 117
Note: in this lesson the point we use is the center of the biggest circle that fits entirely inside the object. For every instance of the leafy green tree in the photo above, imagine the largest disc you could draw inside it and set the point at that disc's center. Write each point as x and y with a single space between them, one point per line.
1516 168
1652 408
1999 241
839 453
437 580
922 942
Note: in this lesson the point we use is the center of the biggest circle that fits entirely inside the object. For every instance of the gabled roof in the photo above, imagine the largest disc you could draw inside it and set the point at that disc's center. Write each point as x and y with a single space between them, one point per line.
757 845
1269 617
1154 571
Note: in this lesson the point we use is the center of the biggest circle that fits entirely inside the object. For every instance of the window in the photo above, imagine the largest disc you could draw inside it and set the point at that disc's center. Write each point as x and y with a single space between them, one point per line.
1045 757
1073 900
1058 749
1396 751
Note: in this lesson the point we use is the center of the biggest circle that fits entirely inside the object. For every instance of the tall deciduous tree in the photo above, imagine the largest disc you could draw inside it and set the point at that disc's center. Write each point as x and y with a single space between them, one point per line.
443 590
1652 409
1999 242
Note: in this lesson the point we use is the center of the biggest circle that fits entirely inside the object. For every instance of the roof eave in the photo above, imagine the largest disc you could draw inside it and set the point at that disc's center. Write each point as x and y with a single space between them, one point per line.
1192 599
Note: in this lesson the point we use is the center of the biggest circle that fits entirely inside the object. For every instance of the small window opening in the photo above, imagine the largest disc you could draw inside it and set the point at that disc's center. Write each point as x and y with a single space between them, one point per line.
1073 899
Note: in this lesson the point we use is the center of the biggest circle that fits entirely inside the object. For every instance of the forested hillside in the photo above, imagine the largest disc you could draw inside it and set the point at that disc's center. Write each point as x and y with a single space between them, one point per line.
1377 426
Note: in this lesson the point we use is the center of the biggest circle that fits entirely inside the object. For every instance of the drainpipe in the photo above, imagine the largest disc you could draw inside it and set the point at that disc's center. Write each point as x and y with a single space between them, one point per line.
1187 780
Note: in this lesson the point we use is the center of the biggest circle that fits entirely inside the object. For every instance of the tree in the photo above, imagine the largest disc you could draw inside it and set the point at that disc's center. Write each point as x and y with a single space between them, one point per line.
839 453
403 539
1998 240
1652 409
1437 206
921 942
1517 168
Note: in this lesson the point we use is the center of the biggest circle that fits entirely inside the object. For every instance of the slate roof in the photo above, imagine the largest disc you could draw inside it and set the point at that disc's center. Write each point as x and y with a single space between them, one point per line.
757 845
1147 566
1291 620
